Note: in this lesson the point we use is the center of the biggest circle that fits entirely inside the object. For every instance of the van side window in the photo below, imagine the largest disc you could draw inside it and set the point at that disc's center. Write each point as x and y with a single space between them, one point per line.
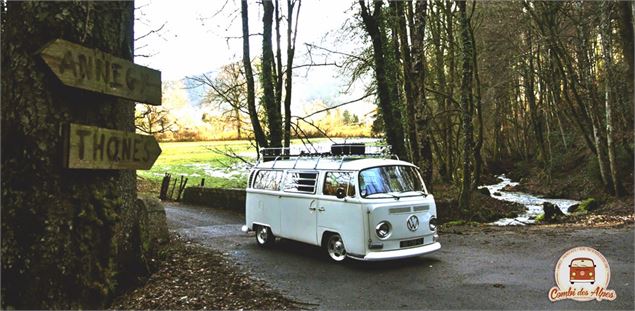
335 180
268 180
300 182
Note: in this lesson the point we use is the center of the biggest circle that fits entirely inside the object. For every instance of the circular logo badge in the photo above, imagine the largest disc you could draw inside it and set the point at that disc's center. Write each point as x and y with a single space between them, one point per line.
582 274
412 223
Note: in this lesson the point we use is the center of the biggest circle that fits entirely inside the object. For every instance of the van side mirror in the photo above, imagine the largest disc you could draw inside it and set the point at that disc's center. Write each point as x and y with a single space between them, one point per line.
340 193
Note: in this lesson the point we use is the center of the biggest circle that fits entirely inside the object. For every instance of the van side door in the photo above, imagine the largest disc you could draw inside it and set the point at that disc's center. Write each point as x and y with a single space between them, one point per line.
298 206
344 216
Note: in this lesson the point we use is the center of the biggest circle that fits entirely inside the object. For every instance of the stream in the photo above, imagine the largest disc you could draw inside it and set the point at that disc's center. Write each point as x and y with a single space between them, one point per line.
531 202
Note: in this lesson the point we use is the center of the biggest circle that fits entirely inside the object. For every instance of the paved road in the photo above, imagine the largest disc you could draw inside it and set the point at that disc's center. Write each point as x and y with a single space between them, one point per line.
510 268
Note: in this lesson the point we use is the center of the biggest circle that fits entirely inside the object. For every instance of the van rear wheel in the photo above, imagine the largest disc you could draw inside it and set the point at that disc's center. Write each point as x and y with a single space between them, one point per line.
264 236
335 247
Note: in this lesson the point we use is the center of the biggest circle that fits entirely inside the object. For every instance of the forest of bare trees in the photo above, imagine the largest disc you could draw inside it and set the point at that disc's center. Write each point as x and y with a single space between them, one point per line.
463 86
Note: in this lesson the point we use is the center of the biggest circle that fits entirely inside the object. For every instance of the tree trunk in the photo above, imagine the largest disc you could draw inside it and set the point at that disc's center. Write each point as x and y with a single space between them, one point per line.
421 106
609 98
628 48
554 89
278 64
268 84
395 80
259 134
238 122
583 48
391 114
530 95
450 152
498 135
289 70
466 106
59 249
600 154
408 76
478 159
443 102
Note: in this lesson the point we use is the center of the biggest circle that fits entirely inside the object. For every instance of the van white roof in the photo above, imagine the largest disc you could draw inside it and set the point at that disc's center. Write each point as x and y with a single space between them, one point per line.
330 163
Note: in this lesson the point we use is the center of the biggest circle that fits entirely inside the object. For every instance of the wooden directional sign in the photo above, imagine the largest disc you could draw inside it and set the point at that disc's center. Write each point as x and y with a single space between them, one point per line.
96 71
92 147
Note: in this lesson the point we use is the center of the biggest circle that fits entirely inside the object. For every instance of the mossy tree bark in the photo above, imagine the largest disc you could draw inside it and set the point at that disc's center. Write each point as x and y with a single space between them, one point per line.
609 95
58 225
467 106
400 27
292 34
389 110
259 133
274 116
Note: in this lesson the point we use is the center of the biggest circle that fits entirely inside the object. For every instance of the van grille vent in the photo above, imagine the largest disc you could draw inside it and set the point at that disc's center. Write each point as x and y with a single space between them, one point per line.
397 210
421 208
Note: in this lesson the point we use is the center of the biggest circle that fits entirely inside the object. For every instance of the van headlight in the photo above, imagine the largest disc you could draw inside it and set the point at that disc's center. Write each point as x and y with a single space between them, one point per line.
433 224
383 230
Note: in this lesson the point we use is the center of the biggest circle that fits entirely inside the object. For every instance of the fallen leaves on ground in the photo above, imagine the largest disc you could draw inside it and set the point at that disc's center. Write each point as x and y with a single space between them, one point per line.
192 277
600 221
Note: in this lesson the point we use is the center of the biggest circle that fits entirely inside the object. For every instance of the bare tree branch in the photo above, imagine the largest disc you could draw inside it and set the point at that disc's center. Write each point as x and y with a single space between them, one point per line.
336 106
318 65
230 153
312 46
151 32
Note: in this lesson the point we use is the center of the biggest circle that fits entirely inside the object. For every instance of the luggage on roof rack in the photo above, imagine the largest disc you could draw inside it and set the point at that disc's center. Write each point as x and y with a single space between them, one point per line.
348 149
270 154
343 152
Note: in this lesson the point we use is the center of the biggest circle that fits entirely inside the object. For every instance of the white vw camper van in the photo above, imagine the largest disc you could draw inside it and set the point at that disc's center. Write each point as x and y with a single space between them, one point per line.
366 206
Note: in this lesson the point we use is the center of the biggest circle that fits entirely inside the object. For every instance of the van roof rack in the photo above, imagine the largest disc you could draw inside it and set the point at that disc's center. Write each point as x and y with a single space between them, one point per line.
338 151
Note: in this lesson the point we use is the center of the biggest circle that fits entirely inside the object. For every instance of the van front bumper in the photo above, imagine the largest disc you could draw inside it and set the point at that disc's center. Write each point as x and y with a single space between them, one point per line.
403 253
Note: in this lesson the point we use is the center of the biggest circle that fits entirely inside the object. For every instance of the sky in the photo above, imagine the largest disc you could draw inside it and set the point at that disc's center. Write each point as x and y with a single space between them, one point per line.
199 36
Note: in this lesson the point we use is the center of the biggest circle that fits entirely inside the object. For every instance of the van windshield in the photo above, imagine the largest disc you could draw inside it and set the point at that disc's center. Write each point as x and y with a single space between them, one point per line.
389 179
581 263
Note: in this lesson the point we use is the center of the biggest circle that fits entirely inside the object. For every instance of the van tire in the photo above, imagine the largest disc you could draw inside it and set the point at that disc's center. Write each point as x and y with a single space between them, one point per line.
334 247
264 236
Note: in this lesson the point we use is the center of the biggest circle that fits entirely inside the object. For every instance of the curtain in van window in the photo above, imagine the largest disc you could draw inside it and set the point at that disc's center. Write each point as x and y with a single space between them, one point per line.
335 180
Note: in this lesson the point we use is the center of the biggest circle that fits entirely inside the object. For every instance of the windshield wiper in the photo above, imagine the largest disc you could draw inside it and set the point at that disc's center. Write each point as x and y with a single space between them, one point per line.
396 197
418 192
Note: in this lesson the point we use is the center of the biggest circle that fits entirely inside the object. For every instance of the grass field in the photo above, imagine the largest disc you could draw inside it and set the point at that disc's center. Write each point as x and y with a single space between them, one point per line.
196 161
202 160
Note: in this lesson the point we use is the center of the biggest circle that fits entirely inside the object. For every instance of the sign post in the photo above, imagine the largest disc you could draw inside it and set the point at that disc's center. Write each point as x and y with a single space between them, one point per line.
91 147
96 71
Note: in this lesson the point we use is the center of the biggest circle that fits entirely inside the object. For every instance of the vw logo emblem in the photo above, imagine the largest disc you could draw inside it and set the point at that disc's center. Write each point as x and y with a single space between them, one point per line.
412 223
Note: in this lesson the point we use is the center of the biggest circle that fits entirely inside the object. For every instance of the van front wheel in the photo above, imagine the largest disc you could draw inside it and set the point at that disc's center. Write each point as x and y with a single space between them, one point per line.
335 247
264 236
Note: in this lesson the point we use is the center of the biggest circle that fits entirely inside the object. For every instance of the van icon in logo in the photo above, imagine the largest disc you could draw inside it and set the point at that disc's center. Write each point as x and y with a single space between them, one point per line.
582 270
412 223
582 274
